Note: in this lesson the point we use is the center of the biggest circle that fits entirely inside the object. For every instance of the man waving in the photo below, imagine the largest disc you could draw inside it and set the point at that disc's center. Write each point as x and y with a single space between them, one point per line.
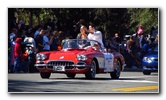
95 35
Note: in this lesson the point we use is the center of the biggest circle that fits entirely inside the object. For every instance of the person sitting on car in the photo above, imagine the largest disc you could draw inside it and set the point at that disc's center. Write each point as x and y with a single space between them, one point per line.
93 46
96 47
82 34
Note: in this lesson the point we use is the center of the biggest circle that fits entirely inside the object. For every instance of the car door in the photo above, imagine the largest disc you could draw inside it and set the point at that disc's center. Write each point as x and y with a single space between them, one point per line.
108 62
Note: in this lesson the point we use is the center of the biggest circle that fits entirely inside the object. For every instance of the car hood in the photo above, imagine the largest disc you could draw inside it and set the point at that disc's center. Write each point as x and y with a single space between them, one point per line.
153 54
65 55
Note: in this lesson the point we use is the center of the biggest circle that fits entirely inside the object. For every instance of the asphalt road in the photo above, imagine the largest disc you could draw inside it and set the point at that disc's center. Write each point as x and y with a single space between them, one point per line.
129 82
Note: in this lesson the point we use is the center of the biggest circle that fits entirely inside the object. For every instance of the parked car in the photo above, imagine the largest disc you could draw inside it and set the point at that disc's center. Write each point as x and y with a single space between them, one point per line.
150 61
80 57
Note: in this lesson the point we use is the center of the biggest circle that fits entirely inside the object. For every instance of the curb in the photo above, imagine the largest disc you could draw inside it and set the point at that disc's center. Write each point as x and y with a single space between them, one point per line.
133 69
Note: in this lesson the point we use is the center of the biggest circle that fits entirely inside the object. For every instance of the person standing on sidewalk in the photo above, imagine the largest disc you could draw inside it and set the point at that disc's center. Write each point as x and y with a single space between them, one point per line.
17 55
46 41
39 41
12 42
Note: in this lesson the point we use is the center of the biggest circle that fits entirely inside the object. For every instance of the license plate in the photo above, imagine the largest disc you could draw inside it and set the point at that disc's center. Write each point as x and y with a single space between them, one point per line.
59 68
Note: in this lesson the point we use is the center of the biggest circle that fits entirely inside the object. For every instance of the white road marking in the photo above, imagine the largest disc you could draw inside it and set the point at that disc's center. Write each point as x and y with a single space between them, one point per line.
137 80
138 76
122 79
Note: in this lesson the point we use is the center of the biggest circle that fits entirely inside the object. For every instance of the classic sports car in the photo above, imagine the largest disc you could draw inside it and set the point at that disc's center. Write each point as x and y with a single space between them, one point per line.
80 57
150 61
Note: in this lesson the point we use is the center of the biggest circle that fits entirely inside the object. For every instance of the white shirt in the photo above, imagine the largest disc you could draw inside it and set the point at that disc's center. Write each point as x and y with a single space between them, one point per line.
32 41
97 35
45 40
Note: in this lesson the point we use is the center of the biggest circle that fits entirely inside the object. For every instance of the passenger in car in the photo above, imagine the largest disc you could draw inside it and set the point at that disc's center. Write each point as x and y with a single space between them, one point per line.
82 34
96 47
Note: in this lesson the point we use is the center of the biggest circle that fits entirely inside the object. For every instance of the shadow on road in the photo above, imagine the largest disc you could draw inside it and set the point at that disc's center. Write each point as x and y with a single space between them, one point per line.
40 86
104 79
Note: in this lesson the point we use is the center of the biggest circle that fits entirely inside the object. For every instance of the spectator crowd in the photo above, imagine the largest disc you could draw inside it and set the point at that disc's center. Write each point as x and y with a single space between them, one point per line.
25 42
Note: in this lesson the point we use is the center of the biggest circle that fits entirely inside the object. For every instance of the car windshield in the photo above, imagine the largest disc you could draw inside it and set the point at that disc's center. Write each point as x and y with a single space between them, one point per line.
78 43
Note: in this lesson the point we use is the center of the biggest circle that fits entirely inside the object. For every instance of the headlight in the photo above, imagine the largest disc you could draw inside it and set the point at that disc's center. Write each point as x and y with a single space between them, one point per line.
147 59
41 56
38 56
81 57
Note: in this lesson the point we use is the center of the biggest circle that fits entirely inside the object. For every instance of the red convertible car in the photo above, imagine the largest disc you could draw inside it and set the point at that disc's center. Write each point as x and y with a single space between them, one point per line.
80 57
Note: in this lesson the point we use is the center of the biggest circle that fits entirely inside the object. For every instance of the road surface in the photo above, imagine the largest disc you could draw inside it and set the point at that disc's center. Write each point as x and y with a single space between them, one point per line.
129 82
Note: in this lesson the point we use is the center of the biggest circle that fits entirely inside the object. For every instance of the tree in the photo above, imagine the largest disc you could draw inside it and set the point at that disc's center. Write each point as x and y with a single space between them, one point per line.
108 20
147 17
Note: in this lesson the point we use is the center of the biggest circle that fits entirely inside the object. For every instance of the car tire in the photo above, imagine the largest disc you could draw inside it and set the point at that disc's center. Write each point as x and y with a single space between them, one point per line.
45 75
146 72
92 71
116 73
70 75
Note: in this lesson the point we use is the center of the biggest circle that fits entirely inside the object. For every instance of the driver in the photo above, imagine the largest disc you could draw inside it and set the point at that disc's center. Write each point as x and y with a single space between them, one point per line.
72 44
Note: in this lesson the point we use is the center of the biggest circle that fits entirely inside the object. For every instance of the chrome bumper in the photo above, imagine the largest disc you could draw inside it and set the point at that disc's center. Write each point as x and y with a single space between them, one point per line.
123 66
79 64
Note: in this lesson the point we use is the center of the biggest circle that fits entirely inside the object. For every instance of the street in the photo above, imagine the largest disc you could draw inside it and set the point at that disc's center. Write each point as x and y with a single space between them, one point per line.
129 82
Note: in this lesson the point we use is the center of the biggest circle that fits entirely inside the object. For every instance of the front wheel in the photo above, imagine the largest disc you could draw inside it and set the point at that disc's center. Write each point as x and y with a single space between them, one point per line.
92 71
70 75
45 74
146 72
116 73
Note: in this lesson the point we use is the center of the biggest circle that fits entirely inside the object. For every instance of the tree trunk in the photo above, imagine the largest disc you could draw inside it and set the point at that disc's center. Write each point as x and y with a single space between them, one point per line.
31 18
10 19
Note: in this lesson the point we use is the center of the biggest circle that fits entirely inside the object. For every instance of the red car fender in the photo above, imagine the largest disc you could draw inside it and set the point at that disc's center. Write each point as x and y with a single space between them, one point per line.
119 57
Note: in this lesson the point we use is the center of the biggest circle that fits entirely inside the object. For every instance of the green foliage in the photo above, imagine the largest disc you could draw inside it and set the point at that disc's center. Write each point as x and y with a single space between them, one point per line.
108 20
147 17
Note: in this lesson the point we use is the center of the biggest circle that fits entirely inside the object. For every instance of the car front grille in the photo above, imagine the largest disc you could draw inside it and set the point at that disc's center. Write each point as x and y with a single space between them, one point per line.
156 60
156 67
67 64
